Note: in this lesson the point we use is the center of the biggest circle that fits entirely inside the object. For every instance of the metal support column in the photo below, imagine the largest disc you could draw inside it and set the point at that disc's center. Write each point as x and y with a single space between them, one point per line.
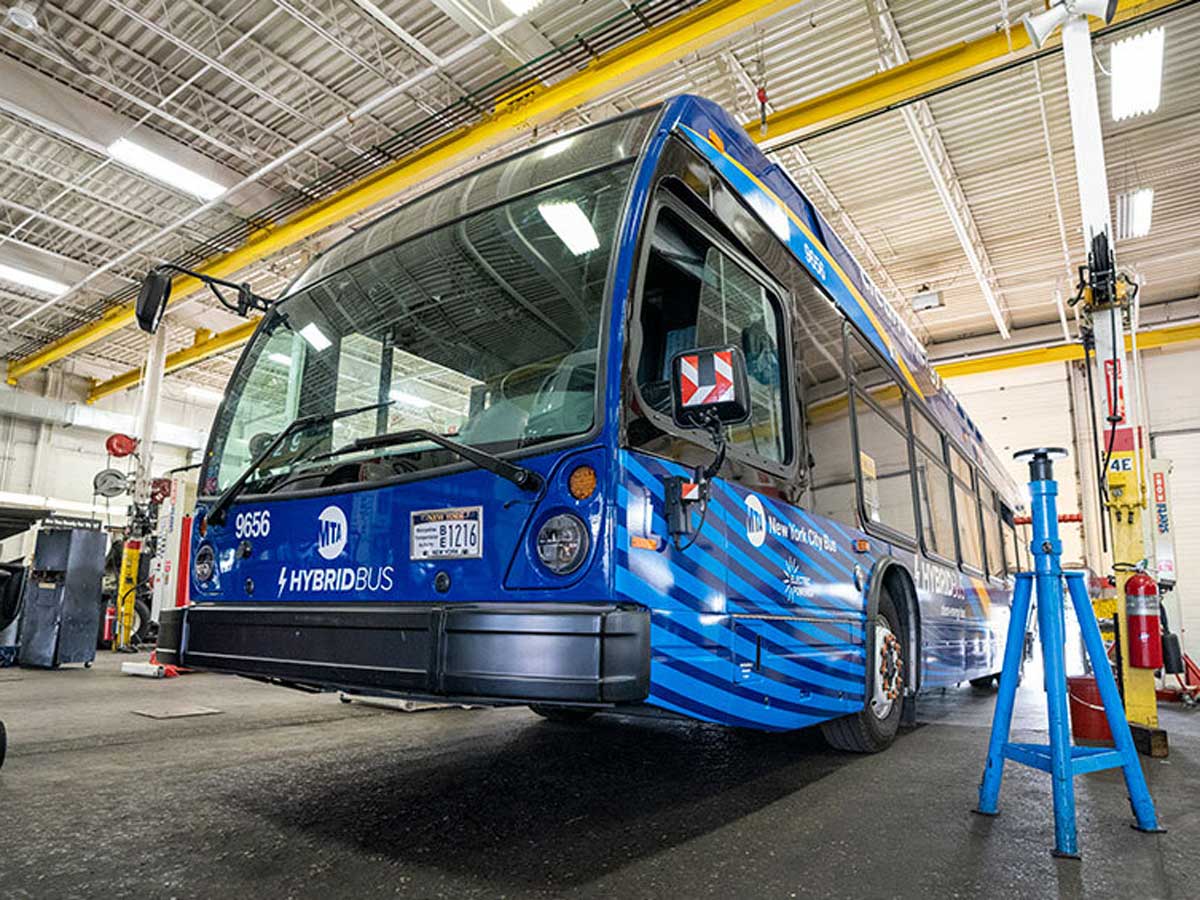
148 412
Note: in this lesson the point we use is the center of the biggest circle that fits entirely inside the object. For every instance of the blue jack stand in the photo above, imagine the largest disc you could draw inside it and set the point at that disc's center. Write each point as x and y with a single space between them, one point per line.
1062 760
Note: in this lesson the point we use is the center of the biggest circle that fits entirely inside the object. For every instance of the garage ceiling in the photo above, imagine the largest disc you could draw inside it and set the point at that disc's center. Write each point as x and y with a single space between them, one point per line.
962 193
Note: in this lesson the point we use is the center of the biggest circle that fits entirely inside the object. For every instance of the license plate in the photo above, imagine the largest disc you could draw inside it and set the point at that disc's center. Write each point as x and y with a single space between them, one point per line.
447 533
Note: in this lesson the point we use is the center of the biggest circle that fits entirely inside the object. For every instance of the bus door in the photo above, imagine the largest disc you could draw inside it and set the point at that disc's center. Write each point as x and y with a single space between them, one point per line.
736 303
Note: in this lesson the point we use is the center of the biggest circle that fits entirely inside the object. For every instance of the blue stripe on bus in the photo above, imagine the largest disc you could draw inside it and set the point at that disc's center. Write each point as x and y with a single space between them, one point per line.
835 674
734 522
739 695
700 565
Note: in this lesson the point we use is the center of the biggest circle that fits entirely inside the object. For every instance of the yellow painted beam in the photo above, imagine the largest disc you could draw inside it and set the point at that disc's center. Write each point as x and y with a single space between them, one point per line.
920 76
208 346
1015 359
706 25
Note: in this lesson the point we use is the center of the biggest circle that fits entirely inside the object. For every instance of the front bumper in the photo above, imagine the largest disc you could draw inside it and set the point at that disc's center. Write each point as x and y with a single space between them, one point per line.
555 652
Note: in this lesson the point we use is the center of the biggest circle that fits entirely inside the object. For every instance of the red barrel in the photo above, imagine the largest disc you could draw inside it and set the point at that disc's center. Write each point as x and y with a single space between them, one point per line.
1088 722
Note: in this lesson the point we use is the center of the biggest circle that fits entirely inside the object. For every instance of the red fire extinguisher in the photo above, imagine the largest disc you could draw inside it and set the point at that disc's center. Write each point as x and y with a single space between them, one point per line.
1145 628
110 624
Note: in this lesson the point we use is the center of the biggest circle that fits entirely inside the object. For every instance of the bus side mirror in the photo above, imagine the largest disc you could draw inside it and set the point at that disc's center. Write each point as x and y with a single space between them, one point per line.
709 387
152 299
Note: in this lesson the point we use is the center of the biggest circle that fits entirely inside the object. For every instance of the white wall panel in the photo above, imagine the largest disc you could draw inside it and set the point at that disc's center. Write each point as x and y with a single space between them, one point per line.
1173 400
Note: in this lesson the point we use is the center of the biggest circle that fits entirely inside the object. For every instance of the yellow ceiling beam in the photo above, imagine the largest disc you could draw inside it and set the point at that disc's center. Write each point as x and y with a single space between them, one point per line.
1015 359
706 25
207 344
918 77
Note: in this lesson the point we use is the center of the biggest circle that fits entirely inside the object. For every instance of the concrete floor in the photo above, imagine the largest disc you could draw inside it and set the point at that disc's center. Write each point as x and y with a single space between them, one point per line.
283 794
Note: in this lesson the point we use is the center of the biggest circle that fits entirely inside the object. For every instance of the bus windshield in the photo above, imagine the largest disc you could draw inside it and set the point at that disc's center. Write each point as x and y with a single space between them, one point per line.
487 329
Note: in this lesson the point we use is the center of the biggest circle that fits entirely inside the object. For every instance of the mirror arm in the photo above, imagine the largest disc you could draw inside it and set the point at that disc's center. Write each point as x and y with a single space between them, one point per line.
712 424
247 299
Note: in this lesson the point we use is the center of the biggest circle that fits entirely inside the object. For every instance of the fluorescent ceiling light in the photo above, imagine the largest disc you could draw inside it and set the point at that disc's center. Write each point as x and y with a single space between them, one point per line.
1134 211
406 399
203 393
281 358
520 7
162 169
926 299
315 337
571 225
32 280
1136 64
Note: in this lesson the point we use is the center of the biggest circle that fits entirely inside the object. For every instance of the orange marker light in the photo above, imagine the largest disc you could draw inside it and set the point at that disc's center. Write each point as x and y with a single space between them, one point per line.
582 482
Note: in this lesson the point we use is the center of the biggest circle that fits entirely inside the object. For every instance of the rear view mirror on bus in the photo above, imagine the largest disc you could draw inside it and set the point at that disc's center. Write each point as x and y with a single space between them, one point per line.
152 299
709 384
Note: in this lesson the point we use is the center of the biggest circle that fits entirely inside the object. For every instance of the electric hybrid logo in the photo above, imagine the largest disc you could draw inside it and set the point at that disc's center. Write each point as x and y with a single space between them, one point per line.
331 534
756 521
331 541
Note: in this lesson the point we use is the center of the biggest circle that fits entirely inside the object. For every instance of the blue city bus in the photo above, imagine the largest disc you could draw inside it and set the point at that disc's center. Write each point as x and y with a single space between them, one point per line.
452 461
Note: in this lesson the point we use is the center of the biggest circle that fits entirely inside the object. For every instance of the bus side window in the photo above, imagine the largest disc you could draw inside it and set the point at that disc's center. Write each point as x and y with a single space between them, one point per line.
933 491
695 295
735 308
879 421
991 522
966 507
1010 545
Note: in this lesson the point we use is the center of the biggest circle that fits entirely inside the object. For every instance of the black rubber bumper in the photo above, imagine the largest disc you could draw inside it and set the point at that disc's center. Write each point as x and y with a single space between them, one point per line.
542 652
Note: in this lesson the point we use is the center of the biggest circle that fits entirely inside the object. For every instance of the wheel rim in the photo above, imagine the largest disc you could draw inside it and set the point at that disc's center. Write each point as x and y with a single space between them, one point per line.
889 672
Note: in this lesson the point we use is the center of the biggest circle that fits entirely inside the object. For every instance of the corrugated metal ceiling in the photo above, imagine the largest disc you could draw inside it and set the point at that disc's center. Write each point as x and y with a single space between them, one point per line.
243 82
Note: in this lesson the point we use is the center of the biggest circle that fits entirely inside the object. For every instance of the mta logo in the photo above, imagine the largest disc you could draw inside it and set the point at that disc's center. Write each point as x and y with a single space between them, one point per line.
756 521
331 532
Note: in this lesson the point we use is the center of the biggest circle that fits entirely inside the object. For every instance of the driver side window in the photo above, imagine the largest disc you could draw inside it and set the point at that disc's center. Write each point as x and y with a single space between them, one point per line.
697 295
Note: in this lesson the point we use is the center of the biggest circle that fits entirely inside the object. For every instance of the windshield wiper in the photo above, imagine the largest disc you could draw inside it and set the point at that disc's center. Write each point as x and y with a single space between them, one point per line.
220 506
526 479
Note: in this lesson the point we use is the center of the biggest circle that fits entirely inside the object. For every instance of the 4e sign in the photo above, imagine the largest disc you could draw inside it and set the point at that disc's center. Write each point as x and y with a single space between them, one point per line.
252 524
1121 464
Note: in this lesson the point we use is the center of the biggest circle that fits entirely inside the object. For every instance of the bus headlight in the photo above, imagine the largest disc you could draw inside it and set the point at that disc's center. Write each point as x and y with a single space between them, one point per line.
204 563
562 543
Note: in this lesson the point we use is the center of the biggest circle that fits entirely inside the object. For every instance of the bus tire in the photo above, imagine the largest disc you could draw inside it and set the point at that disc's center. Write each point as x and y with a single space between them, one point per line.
567 715
874 727
986 683
3 744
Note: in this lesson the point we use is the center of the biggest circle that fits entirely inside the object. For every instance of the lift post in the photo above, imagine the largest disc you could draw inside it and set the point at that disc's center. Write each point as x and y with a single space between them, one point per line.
1106 299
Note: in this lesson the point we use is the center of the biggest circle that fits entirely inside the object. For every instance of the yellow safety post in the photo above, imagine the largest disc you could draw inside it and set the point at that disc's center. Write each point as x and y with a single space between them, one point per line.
127 584
1126 495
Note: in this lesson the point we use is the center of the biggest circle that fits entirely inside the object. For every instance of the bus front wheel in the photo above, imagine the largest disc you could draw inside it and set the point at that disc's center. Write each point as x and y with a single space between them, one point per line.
873 728
568 715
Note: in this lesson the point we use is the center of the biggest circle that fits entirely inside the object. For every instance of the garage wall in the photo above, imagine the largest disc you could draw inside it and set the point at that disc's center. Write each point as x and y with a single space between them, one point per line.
51 460
1173 382
1028 407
